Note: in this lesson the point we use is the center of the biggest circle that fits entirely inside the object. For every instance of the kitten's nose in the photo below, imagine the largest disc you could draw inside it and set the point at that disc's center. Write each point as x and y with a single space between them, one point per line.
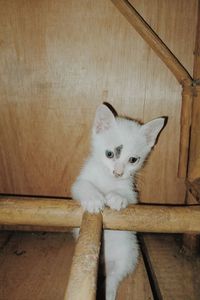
118 173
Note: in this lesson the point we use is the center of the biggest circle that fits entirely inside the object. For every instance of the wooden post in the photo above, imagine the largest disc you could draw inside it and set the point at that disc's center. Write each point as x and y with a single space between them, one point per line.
186 119
192 241
83 275
67 213
181 74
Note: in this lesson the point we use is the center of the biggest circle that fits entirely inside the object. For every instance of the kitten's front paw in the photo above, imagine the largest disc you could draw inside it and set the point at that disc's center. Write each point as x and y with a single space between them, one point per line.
115 201
94 204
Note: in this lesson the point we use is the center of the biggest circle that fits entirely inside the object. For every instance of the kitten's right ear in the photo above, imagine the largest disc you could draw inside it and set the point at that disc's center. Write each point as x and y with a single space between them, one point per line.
104 119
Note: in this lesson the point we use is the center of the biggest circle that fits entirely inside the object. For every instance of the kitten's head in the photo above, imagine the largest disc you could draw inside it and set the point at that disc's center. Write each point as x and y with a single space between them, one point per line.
122 145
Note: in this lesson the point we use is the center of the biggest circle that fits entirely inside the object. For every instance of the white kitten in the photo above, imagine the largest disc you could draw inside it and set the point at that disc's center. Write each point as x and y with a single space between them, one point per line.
119 148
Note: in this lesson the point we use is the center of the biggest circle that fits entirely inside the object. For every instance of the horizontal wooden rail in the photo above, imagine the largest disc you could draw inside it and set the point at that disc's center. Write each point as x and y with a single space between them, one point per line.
83 275
68 213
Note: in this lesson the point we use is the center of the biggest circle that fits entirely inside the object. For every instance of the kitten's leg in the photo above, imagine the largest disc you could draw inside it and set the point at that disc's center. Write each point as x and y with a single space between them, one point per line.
89 196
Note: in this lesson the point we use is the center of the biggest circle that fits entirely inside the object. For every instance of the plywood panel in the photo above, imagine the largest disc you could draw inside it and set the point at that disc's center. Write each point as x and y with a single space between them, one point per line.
35 266
136 285
176 275
59 60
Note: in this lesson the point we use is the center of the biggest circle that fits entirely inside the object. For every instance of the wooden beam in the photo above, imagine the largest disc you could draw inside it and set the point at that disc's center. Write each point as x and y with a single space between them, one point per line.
153 40
83 275
194 188
177 69
68 213
192 241
186 120
174 275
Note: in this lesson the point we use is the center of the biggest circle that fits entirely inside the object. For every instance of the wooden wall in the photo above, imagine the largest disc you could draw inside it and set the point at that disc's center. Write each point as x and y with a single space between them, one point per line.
58 61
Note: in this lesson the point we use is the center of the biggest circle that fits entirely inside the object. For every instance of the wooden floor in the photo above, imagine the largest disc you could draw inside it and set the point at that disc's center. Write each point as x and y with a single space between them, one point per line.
36 266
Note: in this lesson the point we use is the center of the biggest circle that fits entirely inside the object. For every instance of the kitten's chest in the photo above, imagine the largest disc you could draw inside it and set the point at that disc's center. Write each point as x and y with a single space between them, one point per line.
106 183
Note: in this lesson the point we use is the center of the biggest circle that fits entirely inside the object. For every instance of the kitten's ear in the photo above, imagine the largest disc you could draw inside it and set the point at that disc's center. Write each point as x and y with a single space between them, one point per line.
104 119
152 129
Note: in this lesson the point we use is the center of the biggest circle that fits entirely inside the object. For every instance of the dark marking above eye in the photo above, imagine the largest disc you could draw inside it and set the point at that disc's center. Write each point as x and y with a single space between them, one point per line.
118 151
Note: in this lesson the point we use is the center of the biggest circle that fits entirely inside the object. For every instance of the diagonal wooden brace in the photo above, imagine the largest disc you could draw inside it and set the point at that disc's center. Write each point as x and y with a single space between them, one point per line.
177 69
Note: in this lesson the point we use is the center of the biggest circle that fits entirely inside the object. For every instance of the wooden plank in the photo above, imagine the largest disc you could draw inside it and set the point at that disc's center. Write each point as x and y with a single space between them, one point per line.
62 213
176 275
136 285
54 72
36 266
82 282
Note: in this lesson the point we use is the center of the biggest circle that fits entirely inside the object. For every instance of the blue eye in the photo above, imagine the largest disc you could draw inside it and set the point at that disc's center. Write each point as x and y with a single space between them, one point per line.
109 154
133 160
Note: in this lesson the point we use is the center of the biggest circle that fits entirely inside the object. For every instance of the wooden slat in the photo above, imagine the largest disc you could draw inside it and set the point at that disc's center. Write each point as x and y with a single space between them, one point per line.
35 266
136 285
59 213
176 275
83 276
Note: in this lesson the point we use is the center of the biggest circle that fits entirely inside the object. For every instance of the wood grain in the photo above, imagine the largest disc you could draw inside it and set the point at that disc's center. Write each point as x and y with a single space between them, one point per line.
176 274
136 285
192 242
35 266
59 60
61 213
83 275
152 39
194 157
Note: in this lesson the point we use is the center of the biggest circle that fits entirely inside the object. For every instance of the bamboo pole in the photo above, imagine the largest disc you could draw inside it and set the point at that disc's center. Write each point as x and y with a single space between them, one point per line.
177 69
194 155
83 275
192 241
40 212
186 120
63 213
152 39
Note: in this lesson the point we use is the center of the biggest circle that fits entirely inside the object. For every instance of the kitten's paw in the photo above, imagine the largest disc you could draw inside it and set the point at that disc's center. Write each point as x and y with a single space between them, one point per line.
115 201
94 204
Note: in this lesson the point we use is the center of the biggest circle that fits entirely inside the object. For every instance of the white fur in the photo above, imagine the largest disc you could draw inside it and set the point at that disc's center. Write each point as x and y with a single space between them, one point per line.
98 186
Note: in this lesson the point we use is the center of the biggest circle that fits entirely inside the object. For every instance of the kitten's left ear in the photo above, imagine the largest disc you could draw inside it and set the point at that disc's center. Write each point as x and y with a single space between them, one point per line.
152 129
